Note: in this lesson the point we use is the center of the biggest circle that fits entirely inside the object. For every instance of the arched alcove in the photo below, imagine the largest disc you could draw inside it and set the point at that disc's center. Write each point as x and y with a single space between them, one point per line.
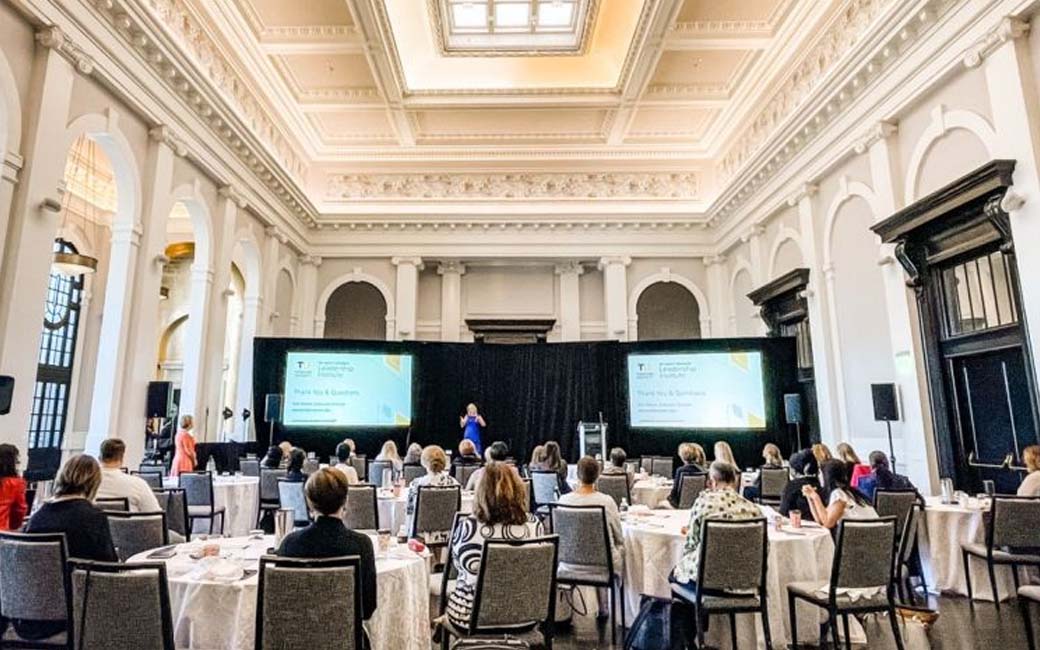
745 314
283 303
667 310
356 310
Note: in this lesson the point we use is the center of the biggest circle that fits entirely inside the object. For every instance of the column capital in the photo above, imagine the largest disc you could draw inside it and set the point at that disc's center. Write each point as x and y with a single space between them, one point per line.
753 232
273 232
310 260
415 261
454 267
714 260
10 166
613 260
570 267
123 232
806 191
163 134
232 193
879 132
54 38
1008 29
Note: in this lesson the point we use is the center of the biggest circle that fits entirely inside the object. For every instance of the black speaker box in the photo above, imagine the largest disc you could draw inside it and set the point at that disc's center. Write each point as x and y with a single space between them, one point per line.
793 408
6 393
158 402
886 408
272 407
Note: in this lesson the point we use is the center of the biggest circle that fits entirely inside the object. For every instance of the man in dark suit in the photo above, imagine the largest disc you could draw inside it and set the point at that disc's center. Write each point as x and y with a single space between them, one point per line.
326 537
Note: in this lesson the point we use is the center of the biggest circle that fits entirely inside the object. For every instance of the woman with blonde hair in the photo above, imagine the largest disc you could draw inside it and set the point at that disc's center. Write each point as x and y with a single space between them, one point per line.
71 511
821 453
499 512
857 469
184 444
1030 486
389 454
724 453
435 461
689 454
772 460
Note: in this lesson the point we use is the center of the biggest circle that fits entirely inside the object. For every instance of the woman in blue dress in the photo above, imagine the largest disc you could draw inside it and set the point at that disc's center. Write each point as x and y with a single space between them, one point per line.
471 423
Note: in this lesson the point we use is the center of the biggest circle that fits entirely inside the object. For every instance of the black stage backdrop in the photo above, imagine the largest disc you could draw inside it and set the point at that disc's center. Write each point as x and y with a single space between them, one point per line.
529 394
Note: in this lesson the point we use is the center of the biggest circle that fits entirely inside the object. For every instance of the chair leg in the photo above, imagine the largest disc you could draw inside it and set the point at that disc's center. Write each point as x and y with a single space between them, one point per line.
1014 576
836 643
792 613
766 633
733 629
967 577
895 628
845 631
222 522
993 582
613 616
621 596
700 626
1023 603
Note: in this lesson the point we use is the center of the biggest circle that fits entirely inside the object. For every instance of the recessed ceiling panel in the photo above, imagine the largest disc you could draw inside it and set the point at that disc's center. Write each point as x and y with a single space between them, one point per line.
683 67
300 13
506 124
311 71
738 10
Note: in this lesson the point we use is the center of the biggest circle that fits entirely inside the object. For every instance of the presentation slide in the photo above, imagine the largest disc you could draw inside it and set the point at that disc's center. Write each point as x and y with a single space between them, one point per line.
347 389
703 390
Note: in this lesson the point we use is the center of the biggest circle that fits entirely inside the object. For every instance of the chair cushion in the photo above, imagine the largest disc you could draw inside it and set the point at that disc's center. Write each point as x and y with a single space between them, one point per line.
202 511
816 592
580 573
527 632
689 594
1001 557
1031 592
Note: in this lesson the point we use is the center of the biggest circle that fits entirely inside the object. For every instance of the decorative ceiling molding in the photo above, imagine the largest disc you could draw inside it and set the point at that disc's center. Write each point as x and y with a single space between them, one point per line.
1009 29
528 226
518 186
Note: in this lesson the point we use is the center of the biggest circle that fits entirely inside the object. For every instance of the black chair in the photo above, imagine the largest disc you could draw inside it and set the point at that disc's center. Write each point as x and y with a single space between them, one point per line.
772 482
175 504
615 486
154 479
515 592
906 546
690 487
435 509
136 532
198 490
359 464
249 466
120 605
863 559
463 472
34 587
326 593
410 472
586 551
731 575
545 487
269 498
1012 539
362 508
662 466
113 504
310 466
1027 595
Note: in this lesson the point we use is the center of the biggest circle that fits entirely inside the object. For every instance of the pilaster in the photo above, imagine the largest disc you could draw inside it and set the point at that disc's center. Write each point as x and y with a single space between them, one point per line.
569 309
451 272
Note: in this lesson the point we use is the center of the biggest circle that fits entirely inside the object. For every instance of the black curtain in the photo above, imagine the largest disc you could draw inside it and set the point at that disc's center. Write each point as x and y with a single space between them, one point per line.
528 394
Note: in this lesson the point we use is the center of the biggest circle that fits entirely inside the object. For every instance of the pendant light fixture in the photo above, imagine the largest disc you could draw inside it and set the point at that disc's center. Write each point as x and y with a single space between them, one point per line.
83 171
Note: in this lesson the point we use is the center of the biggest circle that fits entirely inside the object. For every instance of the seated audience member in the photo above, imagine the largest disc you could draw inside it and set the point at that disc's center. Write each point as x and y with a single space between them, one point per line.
804 468
821 453
273 458
343 454
467 454
554 462
349 442
13 507
618 457
286 448
413 455
537 459
499 512
117 484
688 456
857 469
389 454
436 463
70 511
718 501
327 537
845 501
586 494
497 452
881 477
294 471
1030 486
771 460
724 453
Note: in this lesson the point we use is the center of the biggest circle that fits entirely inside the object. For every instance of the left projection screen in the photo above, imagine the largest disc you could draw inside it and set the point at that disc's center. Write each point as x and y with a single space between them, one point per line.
347 389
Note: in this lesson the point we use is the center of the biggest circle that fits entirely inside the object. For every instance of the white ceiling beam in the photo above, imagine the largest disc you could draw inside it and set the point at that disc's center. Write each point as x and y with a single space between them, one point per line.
279 46
687 42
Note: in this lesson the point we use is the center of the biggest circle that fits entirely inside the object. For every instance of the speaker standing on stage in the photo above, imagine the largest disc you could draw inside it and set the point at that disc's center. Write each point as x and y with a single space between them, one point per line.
471 423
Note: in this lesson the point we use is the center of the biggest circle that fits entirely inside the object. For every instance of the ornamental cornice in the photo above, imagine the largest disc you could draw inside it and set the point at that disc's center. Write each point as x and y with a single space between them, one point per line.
1008 29
516 186
52 37
511 225
164 134
880 131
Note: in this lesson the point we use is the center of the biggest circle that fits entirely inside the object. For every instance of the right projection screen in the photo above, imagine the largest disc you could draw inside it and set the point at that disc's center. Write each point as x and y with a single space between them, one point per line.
696 390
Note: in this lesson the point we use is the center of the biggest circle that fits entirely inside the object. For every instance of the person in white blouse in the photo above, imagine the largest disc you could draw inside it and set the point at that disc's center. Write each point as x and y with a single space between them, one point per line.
117 484
1031 483
344 451
844 502
435 461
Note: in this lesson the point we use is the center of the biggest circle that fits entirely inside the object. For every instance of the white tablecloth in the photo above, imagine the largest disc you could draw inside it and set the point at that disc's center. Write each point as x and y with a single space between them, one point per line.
210 615
392 510
650 492
653 545
239 496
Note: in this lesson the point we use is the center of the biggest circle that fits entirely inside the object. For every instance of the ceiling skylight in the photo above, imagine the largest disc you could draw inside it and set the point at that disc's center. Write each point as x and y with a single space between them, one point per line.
514 27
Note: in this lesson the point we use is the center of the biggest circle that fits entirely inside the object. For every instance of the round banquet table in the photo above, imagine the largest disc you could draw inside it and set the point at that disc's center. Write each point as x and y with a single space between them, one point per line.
220 615
240 498
393 509
650 492
654 544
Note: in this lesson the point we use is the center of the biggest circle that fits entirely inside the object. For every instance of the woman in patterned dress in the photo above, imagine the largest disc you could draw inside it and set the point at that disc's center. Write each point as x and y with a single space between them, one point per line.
499 512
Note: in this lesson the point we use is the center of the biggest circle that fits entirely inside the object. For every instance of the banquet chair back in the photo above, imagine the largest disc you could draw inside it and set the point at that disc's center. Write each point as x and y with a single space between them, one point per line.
362 509
646 463
463 472
545 484
33 582
310 466
435 508
690 487
249 466
359 464
895 503
631 466
774 481
291 495
152 466
661 466
906 539
198 492
411 472
113 504
615 486
1015 523
269 484
528 491
135 532
326 592
152 477
864 552
175 504
120 606
376 469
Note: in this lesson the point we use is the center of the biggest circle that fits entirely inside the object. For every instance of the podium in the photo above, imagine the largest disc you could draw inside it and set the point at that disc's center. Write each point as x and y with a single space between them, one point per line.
592 439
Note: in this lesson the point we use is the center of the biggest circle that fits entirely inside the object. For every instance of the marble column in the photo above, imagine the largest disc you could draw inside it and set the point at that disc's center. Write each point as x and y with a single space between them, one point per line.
569 308
407 295
308 290
615 295
451 272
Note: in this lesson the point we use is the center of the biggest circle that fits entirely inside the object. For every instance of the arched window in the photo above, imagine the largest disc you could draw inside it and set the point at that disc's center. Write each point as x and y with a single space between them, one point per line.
54 368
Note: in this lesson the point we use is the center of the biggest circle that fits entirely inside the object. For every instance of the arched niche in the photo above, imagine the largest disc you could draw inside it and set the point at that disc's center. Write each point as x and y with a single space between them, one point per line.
356 310
667 310
285 287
